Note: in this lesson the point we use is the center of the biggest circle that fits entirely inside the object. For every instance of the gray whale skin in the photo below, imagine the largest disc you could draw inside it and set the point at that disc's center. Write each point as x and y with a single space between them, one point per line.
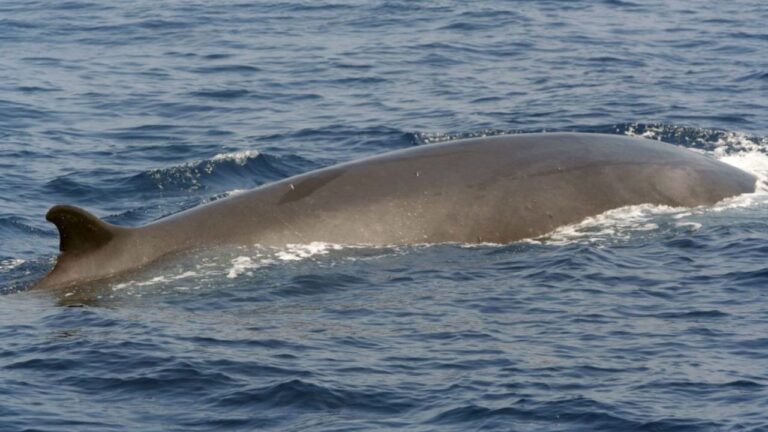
496 189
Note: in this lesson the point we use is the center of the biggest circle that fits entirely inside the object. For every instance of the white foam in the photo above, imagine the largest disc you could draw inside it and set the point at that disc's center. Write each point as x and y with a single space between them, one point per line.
292 252
618 223
240 265
239 158
650 132
727 142
235 192
740 142
753 162
295 252
480 245
246 265
693 226
10 264
155 280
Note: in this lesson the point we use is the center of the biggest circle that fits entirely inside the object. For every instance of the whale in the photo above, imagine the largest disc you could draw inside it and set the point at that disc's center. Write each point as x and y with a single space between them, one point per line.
497 189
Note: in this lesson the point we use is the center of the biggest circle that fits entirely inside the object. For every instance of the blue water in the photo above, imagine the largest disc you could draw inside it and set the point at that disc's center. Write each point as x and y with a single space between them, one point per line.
642 319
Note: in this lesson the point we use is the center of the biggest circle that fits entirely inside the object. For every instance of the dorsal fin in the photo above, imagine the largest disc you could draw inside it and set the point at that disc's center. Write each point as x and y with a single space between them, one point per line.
79 231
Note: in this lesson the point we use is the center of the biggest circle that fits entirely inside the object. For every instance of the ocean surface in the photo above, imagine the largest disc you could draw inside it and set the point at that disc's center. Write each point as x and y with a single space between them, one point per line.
641 319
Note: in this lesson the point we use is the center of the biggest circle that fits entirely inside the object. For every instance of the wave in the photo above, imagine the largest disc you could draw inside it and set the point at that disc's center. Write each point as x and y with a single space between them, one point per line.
11 226
250 167
578 414
241 169
225 171
305 395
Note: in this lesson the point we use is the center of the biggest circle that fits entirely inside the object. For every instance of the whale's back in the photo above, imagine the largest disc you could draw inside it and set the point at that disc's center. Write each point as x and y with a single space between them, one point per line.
497 189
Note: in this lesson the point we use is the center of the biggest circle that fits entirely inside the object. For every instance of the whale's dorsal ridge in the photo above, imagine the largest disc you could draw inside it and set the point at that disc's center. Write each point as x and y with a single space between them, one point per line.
79 231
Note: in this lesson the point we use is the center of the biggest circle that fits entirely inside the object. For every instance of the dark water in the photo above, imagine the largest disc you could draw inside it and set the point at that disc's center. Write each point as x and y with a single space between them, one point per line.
642 319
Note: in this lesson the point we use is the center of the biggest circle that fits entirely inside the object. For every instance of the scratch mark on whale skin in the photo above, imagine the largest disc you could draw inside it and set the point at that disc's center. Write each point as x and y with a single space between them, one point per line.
306 187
